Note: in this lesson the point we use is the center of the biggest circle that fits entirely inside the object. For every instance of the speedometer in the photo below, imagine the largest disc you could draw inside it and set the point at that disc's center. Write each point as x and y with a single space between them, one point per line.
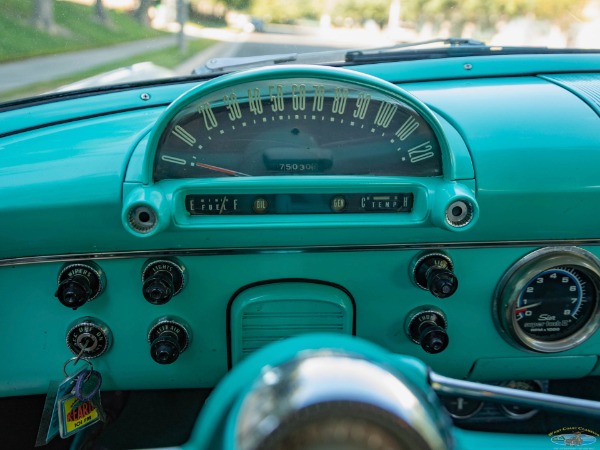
549 301
296 121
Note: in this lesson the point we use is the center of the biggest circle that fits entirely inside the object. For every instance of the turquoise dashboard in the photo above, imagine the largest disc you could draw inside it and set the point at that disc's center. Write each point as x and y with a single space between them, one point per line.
429 218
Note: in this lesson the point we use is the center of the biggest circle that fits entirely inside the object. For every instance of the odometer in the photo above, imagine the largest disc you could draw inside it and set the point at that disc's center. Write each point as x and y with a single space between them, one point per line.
549 300
296 125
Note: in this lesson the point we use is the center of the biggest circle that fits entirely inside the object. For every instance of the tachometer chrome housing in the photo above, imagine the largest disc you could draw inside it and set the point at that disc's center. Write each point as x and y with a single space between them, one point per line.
516 280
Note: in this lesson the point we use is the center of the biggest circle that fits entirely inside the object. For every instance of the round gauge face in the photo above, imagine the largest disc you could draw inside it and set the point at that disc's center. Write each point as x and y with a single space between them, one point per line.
518 411
296 126
461 407
548 301
555 304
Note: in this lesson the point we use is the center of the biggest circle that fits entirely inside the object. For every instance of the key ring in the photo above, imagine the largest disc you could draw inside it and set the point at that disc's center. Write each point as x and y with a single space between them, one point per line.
75 360
81 379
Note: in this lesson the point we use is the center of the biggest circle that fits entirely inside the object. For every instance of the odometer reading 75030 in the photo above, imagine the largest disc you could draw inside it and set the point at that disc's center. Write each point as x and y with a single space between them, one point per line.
296 126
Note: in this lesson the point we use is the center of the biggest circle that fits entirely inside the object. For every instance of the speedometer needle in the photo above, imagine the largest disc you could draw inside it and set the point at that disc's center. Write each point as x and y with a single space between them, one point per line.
233 173
526 307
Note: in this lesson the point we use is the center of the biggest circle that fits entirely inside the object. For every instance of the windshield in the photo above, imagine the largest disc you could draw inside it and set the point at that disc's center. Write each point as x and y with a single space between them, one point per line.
57 45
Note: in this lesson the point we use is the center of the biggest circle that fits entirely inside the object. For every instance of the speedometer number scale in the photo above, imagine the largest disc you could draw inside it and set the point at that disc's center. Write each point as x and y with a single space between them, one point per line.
548 301
296 126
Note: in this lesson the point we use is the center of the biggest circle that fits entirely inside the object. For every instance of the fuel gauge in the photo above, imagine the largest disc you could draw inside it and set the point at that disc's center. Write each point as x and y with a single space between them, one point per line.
213 205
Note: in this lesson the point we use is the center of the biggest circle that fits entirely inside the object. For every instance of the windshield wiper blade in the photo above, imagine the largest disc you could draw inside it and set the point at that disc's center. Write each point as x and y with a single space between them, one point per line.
223 65
456 48
352 55
238 62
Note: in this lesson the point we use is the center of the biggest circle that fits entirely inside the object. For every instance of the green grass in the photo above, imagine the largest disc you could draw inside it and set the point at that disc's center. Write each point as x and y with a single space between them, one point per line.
78 27
169 57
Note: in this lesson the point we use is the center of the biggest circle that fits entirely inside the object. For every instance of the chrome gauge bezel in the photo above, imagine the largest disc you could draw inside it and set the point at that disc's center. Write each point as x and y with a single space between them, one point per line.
521 273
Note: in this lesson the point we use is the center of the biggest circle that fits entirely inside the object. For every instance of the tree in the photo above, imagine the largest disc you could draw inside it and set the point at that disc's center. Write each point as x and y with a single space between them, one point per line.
43 15
101 13
141 13
485 14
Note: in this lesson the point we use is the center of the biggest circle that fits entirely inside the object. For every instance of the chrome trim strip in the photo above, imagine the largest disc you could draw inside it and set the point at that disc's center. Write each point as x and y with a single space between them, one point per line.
500 394
230 251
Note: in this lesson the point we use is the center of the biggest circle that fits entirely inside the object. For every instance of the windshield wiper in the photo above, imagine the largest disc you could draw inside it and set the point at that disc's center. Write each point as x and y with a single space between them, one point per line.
456 47
453 47
223 65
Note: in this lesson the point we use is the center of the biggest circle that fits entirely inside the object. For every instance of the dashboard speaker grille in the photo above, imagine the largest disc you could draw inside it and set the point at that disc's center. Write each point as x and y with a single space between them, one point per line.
264 314
585 85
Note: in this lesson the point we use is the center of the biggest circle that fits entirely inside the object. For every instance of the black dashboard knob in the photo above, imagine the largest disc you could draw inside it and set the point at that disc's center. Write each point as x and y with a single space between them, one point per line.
427 327
168 338
434 272
158 289
79 283
165 348
74 293
162 280
433 339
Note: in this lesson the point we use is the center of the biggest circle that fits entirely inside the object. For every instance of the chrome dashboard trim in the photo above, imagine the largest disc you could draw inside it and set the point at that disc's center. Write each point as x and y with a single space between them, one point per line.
224 251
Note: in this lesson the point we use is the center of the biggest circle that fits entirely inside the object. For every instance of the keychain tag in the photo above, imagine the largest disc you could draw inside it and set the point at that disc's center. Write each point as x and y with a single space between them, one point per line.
75 415
49 425
82 406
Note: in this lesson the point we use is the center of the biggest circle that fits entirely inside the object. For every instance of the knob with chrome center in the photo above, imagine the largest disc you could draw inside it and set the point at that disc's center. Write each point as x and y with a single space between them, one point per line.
427 327
434 272
168 338
162 280
79 283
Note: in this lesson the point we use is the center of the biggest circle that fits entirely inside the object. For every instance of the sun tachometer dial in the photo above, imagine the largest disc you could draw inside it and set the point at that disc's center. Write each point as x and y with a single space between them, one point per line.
549 301
296 125
555 303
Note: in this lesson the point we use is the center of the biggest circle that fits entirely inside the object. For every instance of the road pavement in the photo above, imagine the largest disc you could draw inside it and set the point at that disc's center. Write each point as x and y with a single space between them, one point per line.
19 74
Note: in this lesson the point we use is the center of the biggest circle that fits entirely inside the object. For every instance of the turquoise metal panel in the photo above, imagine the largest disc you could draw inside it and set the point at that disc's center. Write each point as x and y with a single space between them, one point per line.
481 67
534 367
474 440
379 282
263 314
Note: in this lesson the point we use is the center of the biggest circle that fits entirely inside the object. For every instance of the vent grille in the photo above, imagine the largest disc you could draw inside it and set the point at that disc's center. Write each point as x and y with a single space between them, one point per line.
584 85
264 327
259 318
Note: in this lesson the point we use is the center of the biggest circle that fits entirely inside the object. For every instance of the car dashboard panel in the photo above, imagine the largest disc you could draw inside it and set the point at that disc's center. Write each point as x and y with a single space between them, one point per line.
169 233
